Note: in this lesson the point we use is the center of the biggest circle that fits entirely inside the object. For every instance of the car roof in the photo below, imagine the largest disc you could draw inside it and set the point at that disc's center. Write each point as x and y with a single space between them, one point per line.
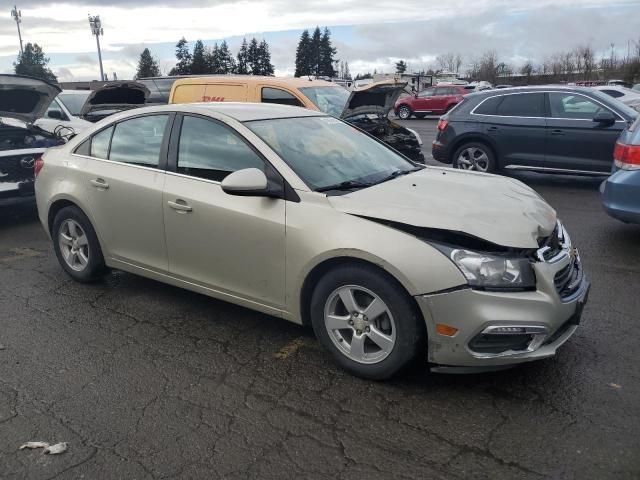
297 82
536 88
240 111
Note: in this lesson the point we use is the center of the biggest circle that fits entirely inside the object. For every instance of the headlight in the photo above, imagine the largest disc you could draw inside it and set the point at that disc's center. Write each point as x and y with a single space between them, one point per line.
492 271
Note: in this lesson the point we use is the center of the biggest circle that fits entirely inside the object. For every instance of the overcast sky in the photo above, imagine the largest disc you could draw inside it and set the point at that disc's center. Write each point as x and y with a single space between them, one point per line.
368 33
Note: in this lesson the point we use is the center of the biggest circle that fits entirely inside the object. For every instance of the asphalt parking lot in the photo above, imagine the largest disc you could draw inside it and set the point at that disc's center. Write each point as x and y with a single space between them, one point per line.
148 381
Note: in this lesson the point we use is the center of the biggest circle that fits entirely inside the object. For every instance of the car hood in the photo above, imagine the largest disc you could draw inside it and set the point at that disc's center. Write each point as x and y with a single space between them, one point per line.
375 98
497 209
116 96
25 98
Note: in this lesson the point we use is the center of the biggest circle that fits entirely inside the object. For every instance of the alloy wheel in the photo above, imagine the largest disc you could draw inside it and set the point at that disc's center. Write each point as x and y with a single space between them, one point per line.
404 113
360 324
473 158
74 245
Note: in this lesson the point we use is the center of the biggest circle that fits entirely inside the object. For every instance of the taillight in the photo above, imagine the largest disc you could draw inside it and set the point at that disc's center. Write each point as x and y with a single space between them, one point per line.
37 166
627 157
443 124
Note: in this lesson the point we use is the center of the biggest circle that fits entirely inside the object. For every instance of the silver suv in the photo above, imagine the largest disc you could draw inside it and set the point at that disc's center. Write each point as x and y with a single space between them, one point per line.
299 215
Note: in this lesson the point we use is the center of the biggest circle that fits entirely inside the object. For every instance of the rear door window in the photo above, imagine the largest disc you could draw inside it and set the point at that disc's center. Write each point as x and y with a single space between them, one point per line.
522 105
429 92
138 141
277 95
100 143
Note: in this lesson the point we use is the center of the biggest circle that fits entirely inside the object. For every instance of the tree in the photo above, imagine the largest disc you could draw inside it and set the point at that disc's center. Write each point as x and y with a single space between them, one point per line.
198 59
347 73
227 63
33 63
183 67
253 60
147 65
264 59
314 52
327 52
242 67
527 70
303 55
401 66
212 56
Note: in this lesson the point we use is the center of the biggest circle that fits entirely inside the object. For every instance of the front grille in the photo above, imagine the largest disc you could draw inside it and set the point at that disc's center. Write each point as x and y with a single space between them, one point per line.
496 344
14 169
568 280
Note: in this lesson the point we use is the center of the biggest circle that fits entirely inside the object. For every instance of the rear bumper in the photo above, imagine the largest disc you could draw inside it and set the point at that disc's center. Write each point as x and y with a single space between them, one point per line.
621 195
17 200
440 152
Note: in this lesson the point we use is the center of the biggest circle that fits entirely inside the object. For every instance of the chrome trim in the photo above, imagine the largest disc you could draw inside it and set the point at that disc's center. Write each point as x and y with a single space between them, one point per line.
190 177
539 333
557 170
113 162
544 117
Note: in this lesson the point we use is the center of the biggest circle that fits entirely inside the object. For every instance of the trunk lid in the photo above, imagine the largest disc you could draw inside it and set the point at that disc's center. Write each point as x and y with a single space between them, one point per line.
376 98
25 98
113 97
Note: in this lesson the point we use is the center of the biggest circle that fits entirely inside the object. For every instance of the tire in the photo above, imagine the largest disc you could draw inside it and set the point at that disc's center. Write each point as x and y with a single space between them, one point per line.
391 339
474 156
404 112
420 115
76 245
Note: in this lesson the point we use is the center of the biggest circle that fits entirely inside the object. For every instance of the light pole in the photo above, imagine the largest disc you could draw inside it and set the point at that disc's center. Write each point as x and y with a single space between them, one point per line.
96 29
17 16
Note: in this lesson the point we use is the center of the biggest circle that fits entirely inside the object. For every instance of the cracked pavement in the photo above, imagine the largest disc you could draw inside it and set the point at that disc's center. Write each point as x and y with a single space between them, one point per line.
145 380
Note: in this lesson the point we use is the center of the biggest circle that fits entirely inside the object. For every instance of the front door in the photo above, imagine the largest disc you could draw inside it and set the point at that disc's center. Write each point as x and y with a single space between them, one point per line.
123 175
574 140
425 100
234 245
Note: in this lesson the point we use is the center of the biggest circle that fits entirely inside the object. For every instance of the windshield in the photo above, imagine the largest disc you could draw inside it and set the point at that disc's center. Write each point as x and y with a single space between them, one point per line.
330 100
324 151
74 101
606 99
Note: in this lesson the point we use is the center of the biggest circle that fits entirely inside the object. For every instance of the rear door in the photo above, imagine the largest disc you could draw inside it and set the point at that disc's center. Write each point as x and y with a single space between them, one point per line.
516 123
574 140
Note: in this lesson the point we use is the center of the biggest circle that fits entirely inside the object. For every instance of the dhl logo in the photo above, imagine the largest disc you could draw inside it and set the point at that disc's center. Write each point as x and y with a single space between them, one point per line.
206 98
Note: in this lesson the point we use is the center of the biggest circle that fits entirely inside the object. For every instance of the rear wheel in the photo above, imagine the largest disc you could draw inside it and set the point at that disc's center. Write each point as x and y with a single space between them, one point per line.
404 112
76 245
366 321
474 156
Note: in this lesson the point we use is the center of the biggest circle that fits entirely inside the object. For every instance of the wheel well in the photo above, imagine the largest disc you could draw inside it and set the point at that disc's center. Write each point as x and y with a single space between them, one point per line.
473 139
321 269
55 208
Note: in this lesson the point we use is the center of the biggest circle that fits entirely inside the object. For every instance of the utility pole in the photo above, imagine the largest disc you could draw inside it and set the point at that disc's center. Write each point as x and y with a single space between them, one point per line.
17 16
97 30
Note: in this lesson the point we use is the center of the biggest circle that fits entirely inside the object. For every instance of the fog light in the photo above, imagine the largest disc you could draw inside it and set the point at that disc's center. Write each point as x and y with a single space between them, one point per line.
446 330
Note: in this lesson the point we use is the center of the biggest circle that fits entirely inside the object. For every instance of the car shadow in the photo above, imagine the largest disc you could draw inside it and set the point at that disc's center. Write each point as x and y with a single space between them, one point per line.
11 216
535 179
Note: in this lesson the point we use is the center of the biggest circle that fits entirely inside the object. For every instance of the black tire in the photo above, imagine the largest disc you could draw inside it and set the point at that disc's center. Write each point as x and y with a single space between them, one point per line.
95 267
483 155
420 115
410 331
404 112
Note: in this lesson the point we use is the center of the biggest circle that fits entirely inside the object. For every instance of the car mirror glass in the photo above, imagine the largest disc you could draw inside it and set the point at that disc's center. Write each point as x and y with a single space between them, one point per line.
246 182
55 114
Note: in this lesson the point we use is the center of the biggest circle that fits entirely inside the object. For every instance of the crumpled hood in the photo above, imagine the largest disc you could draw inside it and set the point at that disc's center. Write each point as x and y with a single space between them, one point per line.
497 209
117 96
25 98
375 98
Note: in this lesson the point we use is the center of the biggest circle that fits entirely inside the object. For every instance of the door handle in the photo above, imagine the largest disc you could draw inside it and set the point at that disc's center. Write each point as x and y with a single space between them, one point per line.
180 206
492 129
100 183
557 132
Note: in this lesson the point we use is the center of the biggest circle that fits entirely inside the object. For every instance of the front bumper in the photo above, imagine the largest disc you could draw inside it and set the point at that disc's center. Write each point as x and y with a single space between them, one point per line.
545 318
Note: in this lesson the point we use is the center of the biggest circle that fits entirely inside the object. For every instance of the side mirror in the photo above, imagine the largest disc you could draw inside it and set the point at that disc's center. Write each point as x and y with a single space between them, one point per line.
605 117
248 182
55 114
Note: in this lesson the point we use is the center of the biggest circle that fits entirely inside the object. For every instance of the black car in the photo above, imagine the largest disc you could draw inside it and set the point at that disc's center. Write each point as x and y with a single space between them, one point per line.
547 129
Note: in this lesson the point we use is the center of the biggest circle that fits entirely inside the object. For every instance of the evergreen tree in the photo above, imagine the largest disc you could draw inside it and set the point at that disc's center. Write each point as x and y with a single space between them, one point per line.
314 52
253 58
147 65
227 63
303 59
33 63
183 67
264 59
326 54
198 59
347 73
212 58
401 66
242 66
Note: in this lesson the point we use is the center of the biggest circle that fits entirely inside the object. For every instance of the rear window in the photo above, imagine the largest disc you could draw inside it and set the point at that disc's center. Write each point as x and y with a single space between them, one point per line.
515 105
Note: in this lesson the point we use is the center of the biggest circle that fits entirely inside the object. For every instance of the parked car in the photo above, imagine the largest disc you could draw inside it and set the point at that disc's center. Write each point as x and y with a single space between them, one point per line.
546 129
621 191
22 101
113 97
636 87
433 100
295 213
64 110
623 94
366 107
499 87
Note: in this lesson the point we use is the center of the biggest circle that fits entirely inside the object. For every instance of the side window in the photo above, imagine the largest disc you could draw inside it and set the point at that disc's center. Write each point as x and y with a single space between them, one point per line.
138 141
489 106
55 111
522 105
429 92
212 151
100 143
570 105
276 95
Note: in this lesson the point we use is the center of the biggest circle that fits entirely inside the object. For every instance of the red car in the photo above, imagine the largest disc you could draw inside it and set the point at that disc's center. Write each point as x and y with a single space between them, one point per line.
433 100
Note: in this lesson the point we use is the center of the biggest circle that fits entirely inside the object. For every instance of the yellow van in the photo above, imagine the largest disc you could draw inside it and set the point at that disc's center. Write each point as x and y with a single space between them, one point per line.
366 107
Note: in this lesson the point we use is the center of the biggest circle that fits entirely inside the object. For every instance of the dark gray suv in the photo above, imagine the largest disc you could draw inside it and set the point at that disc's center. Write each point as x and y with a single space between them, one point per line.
547 128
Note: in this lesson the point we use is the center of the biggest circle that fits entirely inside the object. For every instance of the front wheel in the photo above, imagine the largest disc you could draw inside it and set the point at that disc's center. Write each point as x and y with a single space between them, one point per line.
474 156
404 112
367 321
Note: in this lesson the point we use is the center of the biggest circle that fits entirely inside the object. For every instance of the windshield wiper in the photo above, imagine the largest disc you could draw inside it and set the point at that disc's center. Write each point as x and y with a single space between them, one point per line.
348 185
398 173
